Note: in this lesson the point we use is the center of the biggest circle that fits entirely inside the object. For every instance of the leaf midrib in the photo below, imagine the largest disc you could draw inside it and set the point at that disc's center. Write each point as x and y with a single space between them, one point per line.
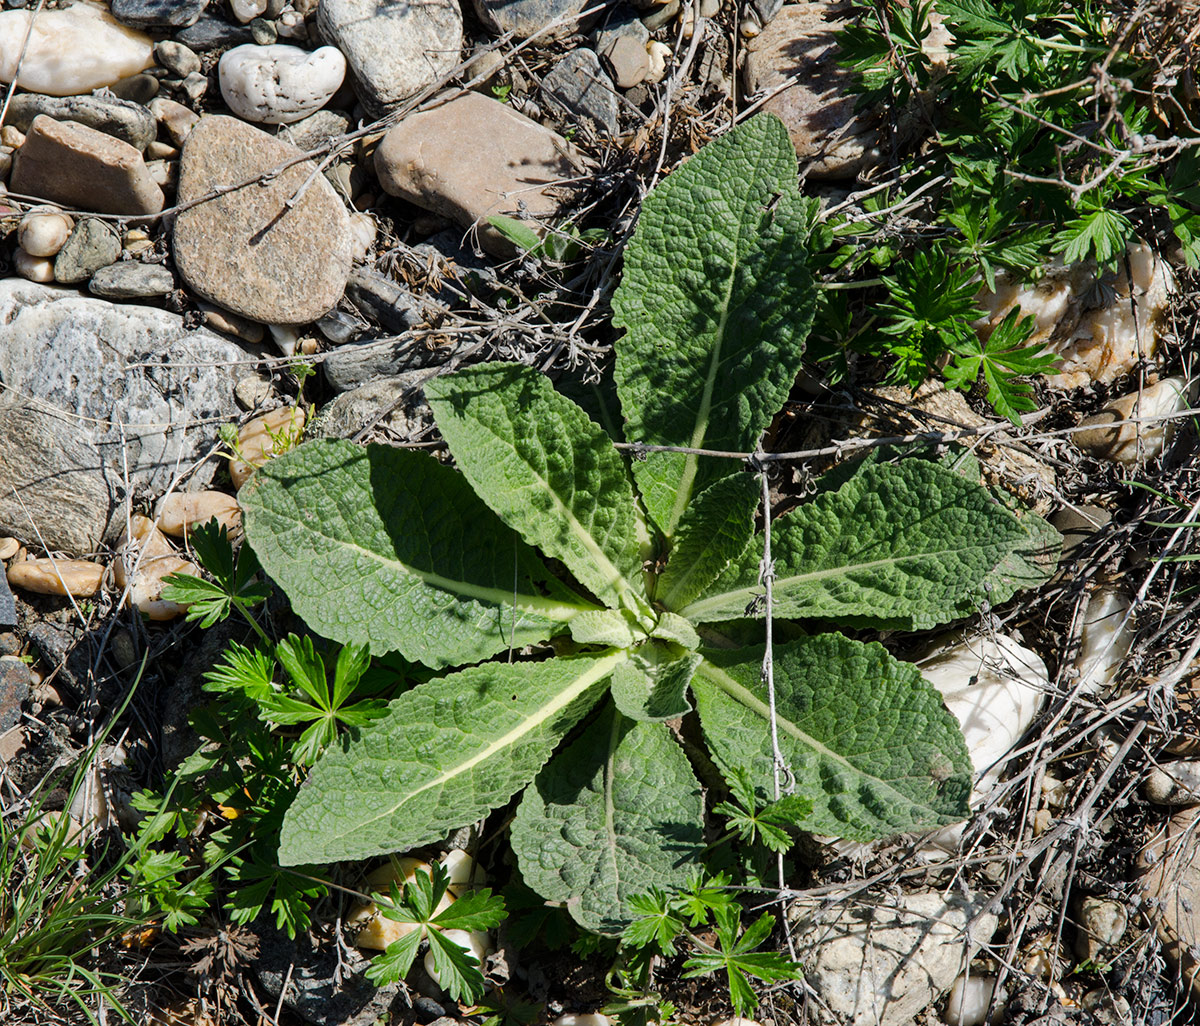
743 695
683 494
598 671
561 612
697 610
616 579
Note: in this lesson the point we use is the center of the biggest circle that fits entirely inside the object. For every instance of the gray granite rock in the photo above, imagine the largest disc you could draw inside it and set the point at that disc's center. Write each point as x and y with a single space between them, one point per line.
578 85
58 476
129 122
91 245
15 681
518 168
357 363
394 49
880 965
8 605
213 33
131 280
525 17
246 250
157 14
351 411
129 384
383 301
316 129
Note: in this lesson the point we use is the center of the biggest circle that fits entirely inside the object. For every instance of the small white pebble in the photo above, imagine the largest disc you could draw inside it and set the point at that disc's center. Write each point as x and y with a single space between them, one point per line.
37 269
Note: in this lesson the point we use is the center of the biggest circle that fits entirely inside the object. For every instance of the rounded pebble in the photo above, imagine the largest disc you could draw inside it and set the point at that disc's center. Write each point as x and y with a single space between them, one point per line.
181 512
42 232
39 269
263 437
131 280
76 577
279 84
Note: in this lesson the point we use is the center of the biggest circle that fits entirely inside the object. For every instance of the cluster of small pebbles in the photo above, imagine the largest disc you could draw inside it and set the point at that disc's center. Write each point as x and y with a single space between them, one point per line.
194 193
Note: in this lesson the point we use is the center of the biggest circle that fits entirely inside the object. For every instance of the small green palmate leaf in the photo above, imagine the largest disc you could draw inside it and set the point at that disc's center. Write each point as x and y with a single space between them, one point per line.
389 547
652 684
548 471
716 301
713 531
447 752
615 813
865 737
901 546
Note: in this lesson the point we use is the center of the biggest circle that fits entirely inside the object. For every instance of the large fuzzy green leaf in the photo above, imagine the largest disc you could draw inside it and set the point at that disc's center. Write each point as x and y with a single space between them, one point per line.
390 548
902 546
447 752
716 302
651 685
713 531
614 814
865 737
548 471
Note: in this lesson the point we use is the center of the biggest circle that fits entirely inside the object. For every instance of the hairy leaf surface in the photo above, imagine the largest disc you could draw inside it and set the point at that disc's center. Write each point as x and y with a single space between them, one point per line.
447 752
901 546
716 301
652 684
866 738
547 470
713 531
390 548
614 814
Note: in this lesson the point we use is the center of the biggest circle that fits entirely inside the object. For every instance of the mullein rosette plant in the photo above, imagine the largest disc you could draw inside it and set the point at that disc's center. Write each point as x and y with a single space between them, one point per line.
657 566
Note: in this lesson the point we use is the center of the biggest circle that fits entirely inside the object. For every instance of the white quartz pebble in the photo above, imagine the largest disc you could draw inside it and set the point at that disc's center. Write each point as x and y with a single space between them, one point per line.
969 1000
362 235
477 943
1135 427
71 51
247 10
279 84
35 268
1105 640
43 231
582 1019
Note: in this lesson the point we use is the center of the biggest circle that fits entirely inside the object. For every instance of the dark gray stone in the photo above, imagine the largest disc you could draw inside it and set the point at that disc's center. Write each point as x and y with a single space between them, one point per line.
577 84
15 681
427 1010
525 17
762 11
316 129
622 41
212 33
339 327
8 607
263 31
129 122
157 14
92 245
359 362
131 280
383 301
136 89
321 991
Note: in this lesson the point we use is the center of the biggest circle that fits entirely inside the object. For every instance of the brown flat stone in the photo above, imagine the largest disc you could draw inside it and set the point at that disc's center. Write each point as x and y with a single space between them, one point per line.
797 50
74 165
473 157
245 250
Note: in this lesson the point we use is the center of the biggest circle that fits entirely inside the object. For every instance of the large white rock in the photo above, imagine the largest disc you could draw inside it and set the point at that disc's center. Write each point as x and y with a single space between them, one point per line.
995 687
879 964
71 51
278 84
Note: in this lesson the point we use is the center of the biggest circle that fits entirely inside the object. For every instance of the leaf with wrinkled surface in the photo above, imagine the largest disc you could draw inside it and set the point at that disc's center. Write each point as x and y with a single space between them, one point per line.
716 301
614 814
651 685
390 548
900 546
447 753
547 471
866 738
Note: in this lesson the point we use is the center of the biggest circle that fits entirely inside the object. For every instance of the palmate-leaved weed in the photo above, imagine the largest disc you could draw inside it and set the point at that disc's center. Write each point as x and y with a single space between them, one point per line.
1039 134
659 570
